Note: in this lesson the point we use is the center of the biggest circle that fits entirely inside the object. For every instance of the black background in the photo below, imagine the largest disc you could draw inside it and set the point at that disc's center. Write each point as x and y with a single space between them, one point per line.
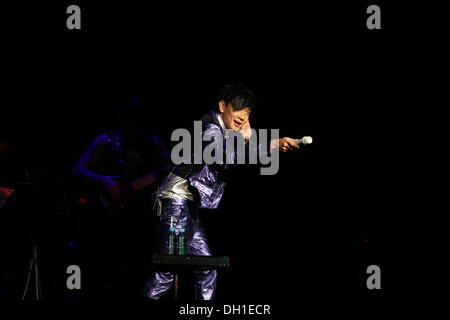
372 187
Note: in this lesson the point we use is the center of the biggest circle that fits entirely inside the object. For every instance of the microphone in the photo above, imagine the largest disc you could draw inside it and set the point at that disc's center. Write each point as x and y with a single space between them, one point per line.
305 140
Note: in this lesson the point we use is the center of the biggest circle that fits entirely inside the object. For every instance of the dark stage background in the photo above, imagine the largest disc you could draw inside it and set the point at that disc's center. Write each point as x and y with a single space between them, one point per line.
371 189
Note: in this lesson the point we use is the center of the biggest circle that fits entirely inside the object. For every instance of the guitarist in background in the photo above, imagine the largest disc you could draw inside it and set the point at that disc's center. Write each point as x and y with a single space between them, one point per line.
123 166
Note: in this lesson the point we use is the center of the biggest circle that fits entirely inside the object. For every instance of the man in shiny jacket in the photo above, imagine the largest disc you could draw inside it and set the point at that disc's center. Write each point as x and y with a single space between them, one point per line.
192 186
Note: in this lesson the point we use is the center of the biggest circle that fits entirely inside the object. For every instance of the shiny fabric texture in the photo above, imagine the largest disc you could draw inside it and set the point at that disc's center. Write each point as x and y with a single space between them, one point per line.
185 214
209 180
210 188
207 184
175 187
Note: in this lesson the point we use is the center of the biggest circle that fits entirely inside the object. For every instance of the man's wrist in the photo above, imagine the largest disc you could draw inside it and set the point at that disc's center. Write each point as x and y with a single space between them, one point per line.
274 144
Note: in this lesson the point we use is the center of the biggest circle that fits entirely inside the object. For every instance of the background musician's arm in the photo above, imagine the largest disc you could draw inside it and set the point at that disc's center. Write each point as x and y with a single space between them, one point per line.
163 163
84 167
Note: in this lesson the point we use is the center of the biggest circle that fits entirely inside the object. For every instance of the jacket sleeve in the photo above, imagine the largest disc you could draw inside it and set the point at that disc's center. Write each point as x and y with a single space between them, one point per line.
231 147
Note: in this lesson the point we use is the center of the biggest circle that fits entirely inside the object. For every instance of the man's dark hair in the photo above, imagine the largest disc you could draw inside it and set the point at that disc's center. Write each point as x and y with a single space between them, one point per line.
239 95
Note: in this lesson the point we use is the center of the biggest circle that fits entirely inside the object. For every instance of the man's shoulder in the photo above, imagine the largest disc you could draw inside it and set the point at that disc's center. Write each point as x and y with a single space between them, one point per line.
210 117
210 121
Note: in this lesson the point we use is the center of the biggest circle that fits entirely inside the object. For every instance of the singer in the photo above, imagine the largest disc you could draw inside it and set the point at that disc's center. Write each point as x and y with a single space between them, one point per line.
191 186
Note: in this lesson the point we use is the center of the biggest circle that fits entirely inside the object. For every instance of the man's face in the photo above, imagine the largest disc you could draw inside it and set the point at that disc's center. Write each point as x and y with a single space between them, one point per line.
233 119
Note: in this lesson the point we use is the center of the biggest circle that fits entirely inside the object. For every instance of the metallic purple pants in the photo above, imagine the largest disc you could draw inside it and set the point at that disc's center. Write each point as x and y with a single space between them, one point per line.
185 214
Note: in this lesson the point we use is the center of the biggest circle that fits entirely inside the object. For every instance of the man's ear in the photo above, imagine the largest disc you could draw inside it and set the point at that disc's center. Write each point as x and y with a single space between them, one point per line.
222 106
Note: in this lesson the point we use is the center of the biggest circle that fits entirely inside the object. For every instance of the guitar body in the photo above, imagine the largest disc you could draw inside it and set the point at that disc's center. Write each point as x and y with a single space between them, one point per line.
132 192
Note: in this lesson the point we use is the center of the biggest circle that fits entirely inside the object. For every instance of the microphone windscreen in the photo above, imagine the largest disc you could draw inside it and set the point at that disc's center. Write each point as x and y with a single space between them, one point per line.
304 140
307 140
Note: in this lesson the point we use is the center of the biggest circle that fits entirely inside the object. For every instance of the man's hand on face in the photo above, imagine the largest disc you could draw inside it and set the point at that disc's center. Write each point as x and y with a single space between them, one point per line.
246 130
284 144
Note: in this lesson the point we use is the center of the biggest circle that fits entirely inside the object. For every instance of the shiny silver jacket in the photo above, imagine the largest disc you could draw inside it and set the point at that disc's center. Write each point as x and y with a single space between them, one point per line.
207 181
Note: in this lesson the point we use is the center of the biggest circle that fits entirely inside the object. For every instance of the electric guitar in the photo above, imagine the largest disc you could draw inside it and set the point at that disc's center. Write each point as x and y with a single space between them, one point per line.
129 192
